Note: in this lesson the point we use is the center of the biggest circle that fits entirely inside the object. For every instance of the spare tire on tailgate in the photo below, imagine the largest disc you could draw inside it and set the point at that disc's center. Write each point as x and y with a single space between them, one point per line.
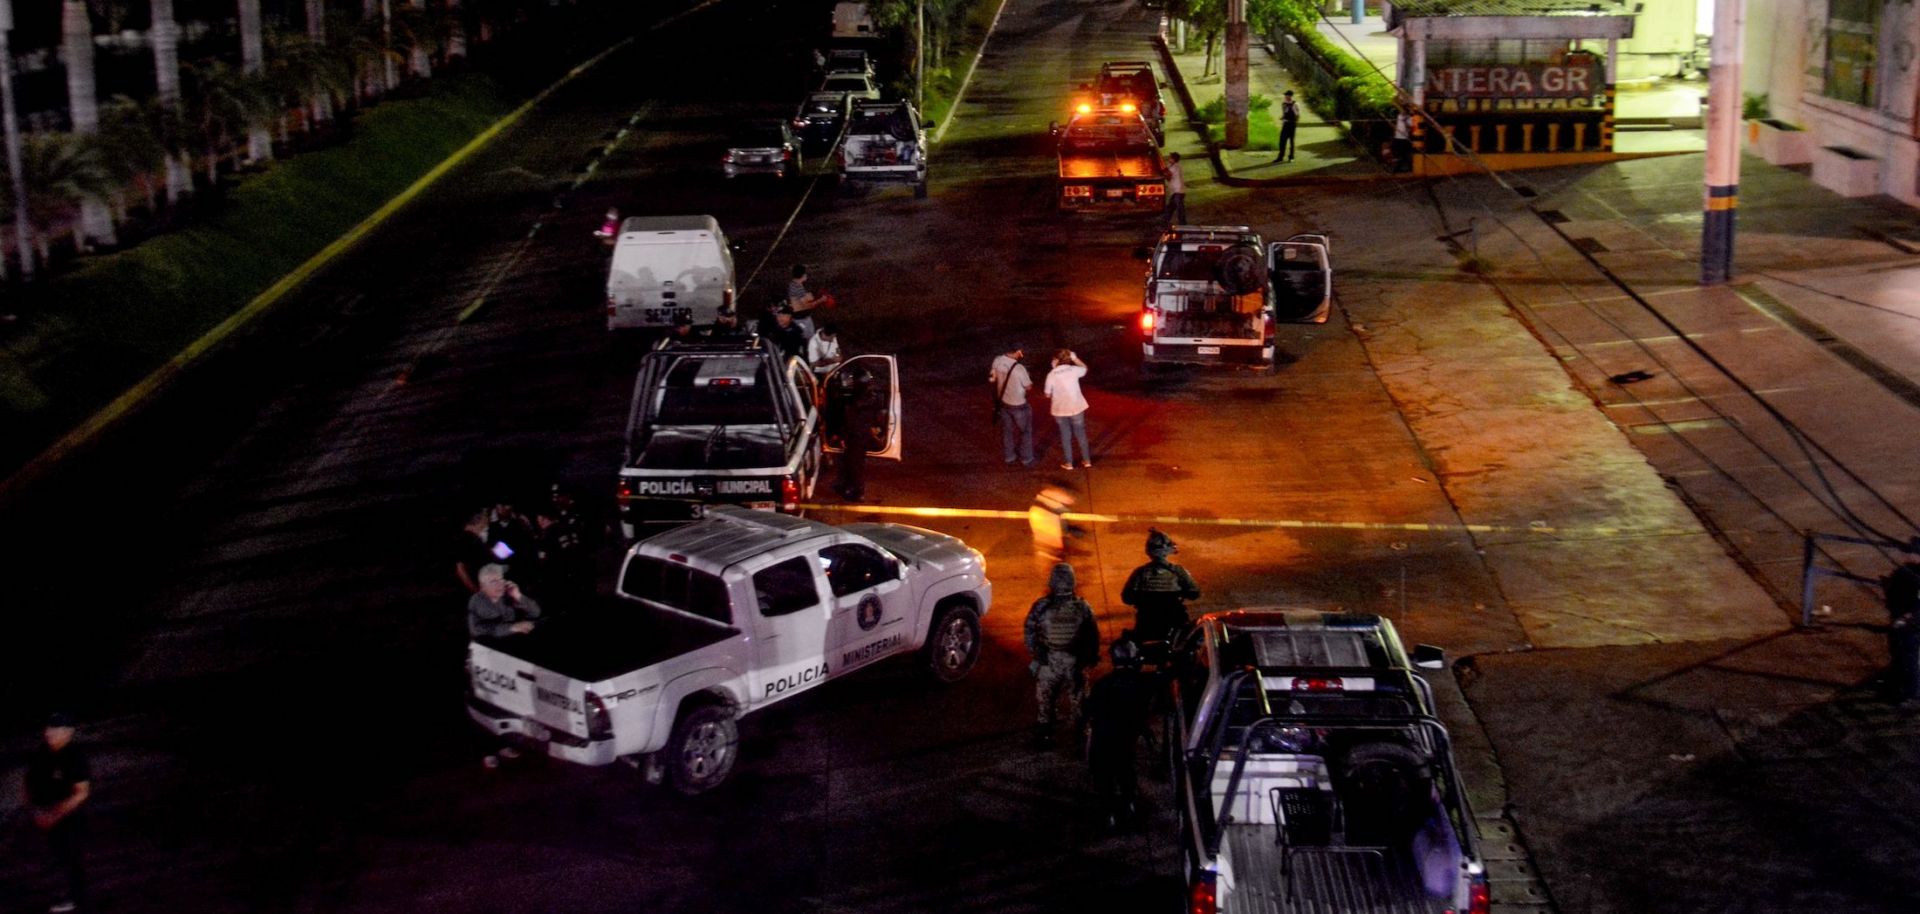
1241 269
900 124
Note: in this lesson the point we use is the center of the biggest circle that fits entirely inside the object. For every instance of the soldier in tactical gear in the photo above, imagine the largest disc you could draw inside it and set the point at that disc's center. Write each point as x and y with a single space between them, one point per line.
1064 641
1158 592
1118 708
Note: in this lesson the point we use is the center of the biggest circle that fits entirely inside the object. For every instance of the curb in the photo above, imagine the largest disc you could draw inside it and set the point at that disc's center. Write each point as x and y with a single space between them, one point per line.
136 396
959 94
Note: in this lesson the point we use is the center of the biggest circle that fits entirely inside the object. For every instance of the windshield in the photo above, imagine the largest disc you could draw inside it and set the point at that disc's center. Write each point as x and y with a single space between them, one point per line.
848 84
756 136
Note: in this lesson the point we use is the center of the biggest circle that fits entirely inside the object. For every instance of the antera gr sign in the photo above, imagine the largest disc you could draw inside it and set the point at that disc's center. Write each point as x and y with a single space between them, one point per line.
1530 81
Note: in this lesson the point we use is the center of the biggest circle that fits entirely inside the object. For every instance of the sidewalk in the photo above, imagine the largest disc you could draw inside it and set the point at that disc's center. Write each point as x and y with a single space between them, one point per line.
1321 151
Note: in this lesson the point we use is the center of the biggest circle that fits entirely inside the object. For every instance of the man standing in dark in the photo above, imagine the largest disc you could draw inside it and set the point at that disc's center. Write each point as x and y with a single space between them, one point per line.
1158 592
566 569
1117 711
1903 632
785 336
1289 122
57 786
859 409
1064 641
472 551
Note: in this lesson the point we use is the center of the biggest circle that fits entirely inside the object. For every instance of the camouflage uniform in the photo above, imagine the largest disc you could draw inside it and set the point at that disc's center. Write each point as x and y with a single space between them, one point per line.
1064 641
1158 591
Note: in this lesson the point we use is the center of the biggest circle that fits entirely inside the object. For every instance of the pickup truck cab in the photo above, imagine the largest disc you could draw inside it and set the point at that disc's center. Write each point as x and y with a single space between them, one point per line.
718 619
1109 161
730 421
1132 81
1310 772
885 143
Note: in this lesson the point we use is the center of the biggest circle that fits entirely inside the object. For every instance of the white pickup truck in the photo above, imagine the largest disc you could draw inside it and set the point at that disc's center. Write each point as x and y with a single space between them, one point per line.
885 143
720 618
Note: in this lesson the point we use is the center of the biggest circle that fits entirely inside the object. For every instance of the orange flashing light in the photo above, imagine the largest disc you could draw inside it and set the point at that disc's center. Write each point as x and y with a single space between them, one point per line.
1083 108
1146 321
1128 107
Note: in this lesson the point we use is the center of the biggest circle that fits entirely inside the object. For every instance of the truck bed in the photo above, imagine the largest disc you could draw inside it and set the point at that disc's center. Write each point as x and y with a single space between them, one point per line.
1323 880
1136 165
611 637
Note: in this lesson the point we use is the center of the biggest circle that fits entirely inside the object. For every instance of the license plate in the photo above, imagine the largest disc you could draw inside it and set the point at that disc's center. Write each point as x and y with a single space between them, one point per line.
666 315
1209 350
1116 192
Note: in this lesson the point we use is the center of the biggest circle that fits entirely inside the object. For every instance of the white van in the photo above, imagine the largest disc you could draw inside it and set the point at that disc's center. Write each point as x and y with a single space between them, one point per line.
665 267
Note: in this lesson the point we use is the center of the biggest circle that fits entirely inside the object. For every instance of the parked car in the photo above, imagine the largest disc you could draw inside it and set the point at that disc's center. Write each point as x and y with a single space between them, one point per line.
850 60
1310 772
859 86
764 147
821 117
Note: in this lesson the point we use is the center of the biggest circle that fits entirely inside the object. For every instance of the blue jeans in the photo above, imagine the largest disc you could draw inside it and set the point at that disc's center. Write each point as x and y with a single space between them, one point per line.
1016 424
1071 428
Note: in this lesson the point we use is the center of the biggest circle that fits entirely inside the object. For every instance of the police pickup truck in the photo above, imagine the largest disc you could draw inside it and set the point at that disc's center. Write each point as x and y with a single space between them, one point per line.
1311 773
717 619
732 422
885 143
1109 161
1215 292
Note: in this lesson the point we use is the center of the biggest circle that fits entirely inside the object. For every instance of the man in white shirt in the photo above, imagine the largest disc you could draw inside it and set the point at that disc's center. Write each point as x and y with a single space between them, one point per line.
1011 382
1069 406
1176 191
823 350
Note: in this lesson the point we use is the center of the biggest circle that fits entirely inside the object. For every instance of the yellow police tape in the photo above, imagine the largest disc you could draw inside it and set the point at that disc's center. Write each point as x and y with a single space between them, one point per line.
1272 523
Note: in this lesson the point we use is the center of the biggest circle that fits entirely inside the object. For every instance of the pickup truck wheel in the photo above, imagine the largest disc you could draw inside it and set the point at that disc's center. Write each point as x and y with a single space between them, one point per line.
953 644
703 748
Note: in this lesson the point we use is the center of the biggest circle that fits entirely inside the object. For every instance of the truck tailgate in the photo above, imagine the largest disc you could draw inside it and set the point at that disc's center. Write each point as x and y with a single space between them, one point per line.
1117 165
526 690
1324 880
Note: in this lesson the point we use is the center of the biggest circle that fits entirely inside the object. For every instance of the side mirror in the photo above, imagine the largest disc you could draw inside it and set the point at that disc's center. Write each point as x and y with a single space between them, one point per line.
1428 657
1142 253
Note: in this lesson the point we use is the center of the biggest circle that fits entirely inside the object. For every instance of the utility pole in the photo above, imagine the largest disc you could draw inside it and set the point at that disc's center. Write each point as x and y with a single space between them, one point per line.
16 169
1236 74
1359 11
1723 142
920 56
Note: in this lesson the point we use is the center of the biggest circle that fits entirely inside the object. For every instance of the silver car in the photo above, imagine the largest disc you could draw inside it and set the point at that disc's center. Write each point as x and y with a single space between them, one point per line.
766 147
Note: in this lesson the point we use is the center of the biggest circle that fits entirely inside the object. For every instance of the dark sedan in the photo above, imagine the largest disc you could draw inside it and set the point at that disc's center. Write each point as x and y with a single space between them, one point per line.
821 117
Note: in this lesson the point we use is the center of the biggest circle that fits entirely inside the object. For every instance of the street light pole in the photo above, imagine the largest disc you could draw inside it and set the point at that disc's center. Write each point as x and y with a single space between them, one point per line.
1723 143
920 55
16 170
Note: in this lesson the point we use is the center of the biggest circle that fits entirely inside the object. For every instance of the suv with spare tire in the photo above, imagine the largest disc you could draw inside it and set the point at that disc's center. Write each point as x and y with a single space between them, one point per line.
714 620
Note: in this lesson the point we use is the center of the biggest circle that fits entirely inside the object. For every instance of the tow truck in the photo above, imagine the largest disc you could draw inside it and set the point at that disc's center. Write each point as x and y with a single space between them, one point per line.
1109 161
731 422
1311 773
1215 292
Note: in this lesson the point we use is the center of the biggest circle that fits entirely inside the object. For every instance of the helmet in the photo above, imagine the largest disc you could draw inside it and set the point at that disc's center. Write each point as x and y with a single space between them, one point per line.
1160 545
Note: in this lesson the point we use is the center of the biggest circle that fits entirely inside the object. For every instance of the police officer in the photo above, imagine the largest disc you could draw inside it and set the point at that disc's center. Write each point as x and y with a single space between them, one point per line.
859 409
1903 632
1158 592
726 325
1063 641
1118 709
682 332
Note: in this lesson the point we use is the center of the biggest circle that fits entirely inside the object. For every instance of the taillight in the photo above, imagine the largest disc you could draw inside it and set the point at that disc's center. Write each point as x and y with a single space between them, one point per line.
626 490
1201 898
786 152
1077 190
1150 190
800 123
789 493
1479 897
599 722
727 156
611 306
1305 684
1146 321
726 298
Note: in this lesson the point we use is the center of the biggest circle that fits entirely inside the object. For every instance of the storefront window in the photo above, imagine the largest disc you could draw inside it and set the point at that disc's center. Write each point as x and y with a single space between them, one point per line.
1853 37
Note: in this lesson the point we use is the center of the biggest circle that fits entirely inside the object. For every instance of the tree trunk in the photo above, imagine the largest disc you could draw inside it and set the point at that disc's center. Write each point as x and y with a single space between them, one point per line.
165 37
389 68
419 60
457 36
16 169
253 62
76 38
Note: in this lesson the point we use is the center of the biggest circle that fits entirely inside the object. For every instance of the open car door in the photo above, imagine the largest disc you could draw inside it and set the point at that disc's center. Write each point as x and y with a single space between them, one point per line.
886 383
1301 275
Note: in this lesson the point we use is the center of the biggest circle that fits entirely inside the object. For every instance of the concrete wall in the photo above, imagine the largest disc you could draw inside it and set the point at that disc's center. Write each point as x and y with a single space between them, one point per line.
1887 129
1662 34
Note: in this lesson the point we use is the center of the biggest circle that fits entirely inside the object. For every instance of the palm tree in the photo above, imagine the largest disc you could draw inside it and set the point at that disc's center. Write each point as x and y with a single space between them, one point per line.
253 62
16 186
164 34
130 149
76 32
307 74
62 169
223 104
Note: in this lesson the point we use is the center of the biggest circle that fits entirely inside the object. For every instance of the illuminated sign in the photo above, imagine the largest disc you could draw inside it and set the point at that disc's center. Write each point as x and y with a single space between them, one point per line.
1530 81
